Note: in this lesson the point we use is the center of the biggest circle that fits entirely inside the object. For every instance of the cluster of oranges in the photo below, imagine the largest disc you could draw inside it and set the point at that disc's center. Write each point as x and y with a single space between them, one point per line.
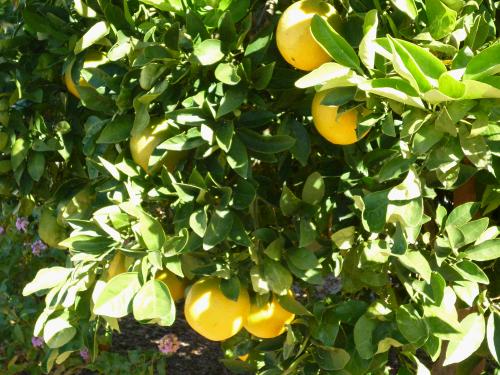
299 48
209 312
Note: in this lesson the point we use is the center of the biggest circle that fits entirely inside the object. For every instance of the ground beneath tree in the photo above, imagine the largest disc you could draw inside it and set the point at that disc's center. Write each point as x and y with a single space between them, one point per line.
196 355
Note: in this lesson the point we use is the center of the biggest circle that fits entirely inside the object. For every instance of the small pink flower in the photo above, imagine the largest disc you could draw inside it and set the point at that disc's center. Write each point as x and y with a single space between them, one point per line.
85 354
22 224
2 230
168 344
37 247
37 342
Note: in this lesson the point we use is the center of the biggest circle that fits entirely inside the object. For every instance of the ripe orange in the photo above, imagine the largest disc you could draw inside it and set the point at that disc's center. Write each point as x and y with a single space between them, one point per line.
49 229
118 265
268 320
294 38
142 145
210 313
339 130
92 60
175 284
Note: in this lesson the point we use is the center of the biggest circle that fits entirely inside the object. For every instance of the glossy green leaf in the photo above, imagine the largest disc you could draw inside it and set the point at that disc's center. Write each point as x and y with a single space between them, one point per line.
116 298
333 43
154 304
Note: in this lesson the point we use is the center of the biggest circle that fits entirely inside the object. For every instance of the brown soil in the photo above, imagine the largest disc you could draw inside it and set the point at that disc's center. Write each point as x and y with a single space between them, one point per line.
196 355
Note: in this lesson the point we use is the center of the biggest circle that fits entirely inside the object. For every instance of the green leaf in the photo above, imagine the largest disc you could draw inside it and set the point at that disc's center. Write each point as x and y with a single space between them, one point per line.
451 86
47 278
227 73
467 291
475 148
208 52
150 74
198 221
237 157
94 34
277 276
462 214
468 341
394 168
239 234
326 73
289 203
233 98
493 335
478 33
266 144
472 230
333 43
484 63
485 251
183 141
344 238
314 189
151 231
441 19
471 271
58 331
291 304
117 130
19 152
275 248
442 320
339 96
36 165
263 75
165 5
302 258
393 88
426 137
367 46
218 228
411 325
230 288
116 297
408 7
91 99
331 359
154 304
363 337
438 285
416 262
420 67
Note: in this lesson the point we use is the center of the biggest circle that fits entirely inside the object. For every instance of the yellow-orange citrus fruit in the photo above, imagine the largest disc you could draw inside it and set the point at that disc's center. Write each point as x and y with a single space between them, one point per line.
118 265
92 60
175 284
143 144
340 130
294 38
268 320
49 230
243 357
210 313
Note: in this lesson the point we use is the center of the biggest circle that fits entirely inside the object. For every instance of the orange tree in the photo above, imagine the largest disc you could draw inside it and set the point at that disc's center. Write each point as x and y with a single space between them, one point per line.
333 220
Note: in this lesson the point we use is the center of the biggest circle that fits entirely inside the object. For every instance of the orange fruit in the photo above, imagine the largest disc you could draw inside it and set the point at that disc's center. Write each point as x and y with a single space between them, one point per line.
210 313
294 38
268 320
175 284
339 130
92 60
49 229
142 145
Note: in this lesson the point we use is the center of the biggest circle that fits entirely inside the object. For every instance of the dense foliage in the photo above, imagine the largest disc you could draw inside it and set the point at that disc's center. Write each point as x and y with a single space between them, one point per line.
389 245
